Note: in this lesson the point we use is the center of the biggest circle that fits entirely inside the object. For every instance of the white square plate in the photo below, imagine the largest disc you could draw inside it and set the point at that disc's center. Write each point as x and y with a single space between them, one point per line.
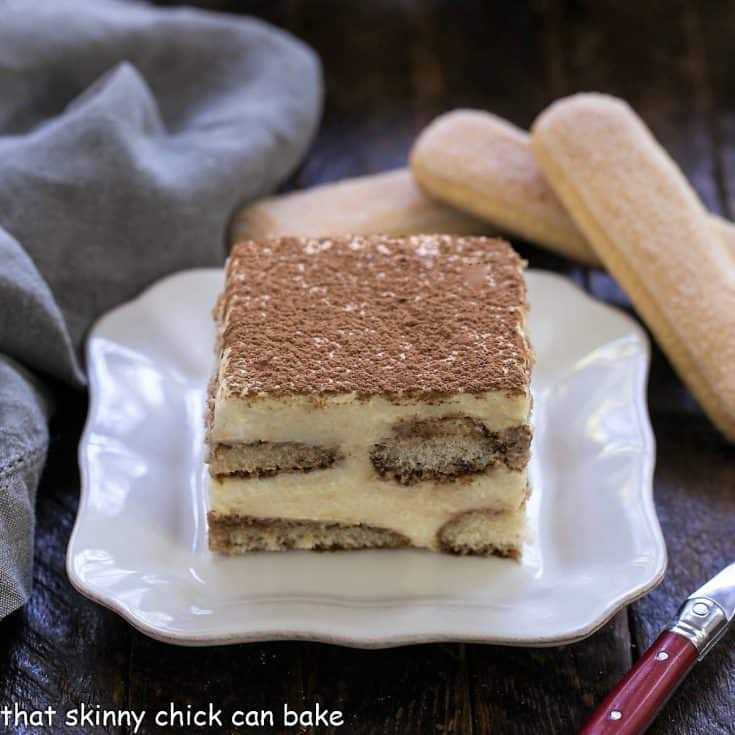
139 544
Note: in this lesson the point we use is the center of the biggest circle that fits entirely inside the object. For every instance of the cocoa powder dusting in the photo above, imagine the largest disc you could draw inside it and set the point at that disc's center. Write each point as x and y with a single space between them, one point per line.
420 315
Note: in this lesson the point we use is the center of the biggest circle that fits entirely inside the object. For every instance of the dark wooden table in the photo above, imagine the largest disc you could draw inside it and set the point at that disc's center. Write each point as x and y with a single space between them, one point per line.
390 67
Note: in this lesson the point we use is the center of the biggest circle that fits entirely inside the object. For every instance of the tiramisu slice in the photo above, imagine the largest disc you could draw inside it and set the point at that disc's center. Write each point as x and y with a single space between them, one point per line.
371 392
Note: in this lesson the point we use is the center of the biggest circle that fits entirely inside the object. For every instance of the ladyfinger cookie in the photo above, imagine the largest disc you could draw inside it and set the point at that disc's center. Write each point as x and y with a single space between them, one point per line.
483 164
650 230
388 203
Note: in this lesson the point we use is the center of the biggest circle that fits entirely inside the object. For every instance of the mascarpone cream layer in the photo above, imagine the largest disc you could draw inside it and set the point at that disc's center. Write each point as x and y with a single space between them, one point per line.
348 421
351 493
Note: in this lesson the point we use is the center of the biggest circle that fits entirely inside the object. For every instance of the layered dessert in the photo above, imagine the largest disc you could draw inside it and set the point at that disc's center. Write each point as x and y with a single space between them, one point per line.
370 392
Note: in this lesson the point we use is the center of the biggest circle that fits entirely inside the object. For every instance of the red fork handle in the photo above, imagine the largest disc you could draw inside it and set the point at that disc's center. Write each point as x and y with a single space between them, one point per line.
634 703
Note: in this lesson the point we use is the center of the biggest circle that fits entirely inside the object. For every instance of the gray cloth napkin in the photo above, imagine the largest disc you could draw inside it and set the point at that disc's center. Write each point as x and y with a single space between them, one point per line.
128 135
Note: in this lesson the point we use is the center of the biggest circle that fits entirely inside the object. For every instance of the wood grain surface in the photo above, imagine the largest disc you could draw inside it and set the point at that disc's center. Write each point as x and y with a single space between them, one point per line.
390 66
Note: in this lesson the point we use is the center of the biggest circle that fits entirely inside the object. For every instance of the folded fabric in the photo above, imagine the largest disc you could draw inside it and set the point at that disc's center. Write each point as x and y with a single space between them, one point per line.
128 136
